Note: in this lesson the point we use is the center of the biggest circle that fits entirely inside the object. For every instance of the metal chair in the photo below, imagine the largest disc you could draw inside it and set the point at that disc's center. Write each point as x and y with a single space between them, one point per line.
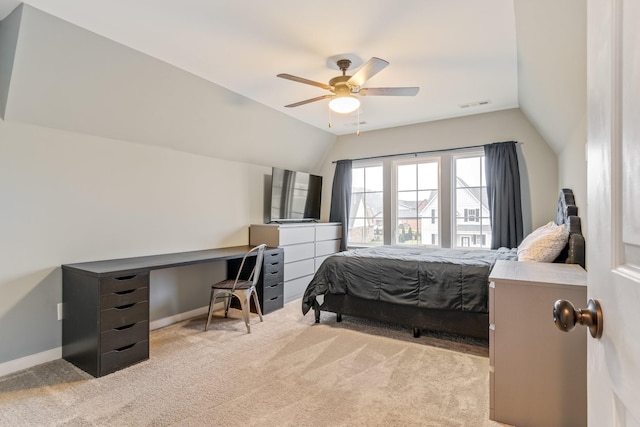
241 289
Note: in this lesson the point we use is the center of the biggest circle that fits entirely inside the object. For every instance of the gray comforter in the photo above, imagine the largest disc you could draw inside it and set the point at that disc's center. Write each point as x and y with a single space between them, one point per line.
445 279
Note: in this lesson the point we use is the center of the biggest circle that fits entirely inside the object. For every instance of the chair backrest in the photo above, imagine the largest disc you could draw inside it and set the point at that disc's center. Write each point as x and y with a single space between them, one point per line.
255 272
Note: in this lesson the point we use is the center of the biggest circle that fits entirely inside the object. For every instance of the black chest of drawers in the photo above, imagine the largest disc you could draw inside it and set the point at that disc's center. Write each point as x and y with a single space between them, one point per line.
271 283
106 320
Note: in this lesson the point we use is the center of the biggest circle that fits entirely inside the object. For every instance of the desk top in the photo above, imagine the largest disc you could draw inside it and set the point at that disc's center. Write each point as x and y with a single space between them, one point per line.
141 264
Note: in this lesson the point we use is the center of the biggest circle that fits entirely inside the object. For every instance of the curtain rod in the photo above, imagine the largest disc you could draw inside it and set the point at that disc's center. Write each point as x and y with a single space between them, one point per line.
415 153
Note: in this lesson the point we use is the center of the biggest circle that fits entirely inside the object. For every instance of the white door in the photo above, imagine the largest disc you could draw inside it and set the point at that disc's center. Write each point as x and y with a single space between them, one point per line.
613 245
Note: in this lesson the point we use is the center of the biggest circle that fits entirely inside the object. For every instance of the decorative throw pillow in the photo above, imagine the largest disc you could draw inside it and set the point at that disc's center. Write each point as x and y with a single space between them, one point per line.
544 244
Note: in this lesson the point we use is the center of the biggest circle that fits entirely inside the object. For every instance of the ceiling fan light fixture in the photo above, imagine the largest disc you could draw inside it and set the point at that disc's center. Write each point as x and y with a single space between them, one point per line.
344 104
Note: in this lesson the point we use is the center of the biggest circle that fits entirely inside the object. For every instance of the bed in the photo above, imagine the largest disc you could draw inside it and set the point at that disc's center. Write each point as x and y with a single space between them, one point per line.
443 290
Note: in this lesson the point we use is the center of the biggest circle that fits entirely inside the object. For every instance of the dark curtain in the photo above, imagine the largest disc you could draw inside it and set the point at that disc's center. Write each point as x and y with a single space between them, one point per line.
503 191
341 198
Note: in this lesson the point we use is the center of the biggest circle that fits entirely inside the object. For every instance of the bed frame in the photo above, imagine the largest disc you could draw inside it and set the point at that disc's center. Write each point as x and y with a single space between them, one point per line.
464 323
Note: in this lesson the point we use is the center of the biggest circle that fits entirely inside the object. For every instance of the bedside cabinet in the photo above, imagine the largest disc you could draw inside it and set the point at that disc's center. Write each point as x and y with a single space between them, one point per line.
537 374
106 320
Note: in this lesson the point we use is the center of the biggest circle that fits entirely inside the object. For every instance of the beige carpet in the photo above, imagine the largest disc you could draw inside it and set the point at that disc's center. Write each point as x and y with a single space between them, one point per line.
287 372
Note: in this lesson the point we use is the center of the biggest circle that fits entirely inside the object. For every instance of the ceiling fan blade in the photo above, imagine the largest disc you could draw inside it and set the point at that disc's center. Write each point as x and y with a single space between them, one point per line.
305 81
368 70
389 91
306 101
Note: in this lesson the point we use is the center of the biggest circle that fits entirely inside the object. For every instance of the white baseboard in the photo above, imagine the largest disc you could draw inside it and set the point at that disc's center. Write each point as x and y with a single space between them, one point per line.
56 353
30 361
161 323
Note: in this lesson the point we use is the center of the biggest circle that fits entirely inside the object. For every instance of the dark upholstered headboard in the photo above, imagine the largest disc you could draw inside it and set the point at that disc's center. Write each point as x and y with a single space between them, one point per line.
567 213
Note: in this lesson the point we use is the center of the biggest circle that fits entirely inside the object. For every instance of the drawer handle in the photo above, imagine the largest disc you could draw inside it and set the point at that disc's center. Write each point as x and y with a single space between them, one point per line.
125 292
126 277
126 347
122 328
274 286
274 298
124 307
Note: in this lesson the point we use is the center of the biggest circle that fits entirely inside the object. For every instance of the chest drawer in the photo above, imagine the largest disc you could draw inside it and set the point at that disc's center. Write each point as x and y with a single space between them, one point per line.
118 317
273 277
114 360
109 285
273 304
121 298
124 336
294 235
272 290
274 257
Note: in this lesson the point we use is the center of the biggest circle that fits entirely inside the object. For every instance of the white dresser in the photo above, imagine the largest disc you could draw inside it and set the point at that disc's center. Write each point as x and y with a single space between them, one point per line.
305 246
538 374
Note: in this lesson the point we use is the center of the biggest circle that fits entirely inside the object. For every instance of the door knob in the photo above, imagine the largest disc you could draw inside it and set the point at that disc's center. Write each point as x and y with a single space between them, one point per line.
565 316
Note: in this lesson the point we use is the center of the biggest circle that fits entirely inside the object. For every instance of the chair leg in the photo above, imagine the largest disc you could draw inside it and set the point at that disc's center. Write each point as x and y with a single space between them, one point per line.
206 326
257 303
227 304
242 296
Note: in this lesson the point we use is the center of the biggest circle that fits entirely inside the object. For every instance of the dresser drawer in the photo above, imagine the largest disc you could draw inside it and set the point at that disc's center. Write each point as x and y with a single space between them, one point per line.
295 288
273 267
328 232
273 290
124 336
272 304
273 257
492 297
293 235
293 270
110 285
118 299
273 277
299 252
117 317
114 360
327 247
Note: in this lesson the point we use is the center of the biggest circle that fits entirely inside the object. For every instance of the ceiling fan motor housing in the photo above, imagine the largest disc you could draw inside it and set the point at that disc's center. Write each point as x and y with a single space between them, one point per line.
340 85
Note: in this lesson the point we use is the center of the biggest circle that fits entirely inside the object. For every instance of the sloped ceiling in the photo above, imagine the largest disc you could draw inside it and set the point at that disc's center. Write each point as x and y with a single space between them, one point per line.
552 68
522 53
458 52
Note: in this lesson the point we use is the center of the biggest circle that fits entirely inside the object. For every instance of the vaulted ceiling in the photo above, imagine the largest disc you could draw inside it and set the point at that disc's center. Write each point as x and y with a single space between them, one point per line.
466 56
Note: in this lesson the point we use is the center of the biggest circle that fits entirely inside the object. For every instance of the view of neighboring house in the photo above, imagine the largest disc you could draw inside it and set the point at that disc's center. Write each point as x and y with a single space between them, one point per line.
418 219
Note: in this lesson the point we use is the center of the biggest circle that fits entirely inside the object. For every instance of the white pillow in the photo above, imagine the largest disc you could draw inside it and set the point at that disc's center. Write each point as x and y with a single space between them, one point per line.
544 244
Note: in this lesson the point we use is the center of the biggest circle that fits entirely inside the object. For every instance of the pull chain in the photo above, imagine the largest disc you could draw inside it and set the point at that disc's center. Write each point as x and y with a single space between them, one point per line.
358 131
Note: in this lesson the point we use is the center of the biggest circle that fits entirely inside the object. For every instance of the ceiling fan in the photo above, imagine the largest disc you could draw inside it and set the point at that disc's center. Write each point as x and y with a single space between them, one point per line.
344 88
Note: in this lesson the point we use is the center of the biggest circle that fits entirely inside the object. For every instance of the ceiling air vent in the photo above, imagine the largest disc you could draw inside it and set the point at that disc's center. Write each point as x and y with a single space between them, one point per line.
475 104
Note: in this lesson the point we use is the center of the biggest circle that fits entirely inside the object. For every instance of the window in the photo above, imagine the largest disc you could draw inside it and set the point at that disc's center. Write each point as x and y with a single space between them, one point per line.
472 224
366 222
435 200
417 202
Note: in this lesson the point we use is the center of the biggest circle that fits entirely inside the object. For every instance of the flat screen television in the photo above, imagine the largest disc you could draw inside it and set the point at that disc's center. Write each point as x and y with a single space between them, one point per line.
295 196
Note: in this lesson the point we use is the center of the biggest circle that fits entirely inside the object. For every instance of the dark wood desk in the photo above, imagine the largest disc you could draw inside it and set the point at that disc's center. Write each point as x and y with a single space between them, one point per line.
105 326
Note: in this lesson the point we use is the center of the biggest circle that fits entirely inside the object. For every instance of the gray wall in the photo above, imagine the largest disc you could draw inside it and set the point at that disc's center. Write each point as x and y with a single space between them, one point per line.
552 83
108 153
8 40
66 77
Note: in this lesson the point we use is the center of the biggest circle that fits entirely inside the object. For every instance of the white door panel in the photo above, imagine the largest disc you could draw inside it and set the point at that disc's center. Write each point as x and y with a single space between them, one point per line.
613 245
